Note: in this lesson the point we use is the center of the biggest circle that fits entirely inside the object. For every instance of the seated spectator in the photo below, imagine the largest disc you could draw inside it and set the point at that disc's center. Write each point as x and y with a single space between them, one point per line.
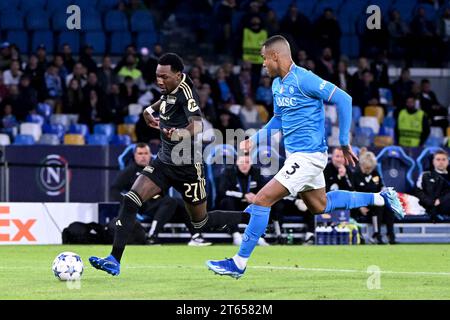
53 83
106 76
342 77
94 110
58 62
129 91
412 127
205 76
129 70
228 120
233 81
69 61
222 91
296 27
302 57
86 58
207 106
337 175
272 23
73 98
367 179
264 93
4 91
328 32
92 84
9 120
249 115
325 65
161 208
115 104
79 73
433 187
379 69
41 54
237 189
36 74
27 100
357 77
437 114
5 56
365 90
13 74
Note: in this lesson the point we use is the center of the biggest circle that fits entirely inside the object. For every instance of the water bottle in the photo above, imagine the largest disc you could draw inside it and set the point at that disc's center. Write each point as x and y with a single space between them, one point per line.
290 237
327 237
345 235
355 236
320 235
339 231
333 235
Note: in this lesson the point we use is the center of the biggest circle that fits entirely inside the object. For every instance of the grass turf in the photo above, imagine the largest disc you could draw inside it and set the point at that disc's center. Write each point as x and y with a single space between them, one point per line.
276 272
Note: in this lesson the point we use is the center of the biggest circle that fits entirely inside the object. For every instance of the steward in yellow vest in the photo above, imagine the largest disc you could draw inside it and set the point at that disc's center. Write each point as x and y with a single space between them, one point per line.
412 125
252 40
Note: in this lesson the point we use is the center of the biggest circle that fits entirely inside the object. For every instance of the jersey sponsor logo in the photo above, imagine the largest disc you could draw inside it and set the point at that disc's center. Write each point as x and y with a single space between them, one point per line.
322 85
286 101
192 105
171 99
53 179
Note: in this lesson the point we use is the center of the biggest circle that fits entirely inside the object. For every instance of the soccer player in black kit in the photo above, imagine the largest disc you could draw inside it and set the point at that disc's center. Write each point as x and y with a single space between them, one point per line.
179 120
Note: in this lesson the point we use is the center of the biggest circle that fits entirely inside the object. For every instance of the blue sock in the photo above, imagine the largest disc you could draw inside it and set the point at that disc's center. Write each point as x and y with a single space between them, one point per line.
259 219
341 199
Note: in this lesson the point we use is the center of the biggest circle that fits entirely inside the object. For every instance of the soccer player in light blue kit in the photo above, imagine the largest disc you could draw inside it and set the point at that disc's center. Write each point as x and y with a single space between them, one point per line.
299 113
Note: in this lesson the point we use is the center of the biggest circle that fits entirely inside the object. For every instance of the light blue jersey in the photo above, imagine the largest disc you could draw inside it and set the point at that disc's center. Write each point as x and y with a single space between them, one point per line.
298 100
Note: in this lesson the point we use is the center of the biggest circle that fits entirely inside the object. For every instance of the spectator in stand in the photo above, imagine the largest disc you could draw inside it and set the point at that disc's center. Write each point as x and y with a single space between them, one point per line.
224 17
41 54
310 65
367 179
249 115
379 69
362 66
233 81
412 127
302 57
342 77
73 98
9 121
325 65
4 92
264 93
437 114
79 73
130 50
365 91
337 175
205 76
328 32
129 91
69 61
296 27
92 84
149 63
402 88
444 33
131 71
228 120
106 75
115 105
245 80
13 74
53 83
94 110
58 62
207 106
5 56
398 36
272 23
433 187
222 91
36 75
87 60
13 100
27 100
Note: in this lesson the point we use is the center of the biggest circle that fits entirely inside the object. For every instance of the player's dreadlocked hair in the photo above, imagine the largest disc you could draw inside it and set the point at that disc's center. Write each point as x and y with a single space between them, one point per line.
173 60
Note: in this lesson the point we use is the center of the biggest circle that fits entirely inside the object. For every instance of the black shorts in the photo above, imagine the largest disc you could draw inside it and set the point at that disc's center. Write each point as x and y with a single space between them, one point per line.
189 180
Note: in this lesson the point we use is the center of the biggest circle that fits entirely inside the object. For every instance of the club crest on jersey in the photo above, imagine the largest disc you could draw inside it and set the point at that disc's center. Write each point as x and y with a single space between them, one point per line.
291 89
322 85
171 99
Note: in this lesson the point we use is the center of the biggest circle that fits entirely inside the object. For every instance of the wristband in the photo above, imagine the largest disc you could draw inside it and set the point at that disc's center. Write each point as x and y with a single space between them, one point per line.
150 110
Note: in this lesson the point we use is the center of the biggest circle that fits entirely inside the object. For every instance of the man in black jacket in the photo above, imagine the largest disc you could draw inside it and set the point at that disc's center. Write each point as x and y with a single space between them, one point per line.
337 175
433 187
161 207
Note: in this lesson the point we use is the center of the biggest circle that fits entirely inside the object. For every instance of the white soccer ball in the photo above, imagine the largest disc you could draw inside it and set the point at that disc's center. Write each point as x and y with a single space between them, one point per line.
68 266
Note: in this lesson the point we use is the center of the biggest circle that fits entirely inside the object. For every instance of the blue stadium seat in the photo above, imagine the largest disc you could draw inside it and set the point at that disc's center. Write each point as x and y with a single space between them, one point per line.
11 20
268 160
91 21
49 139
120 140
280 7
105 5
78 128
8 5
24 139
107 129
37 20
96 40
31 5
119 41
321 6
72 38
59 6
131 119
405 8
19 38
424 160
59 21
98 139
434 141
42 37
44 110
126 156
57 129
363 137
142 20
116 21
356 114
35 118
396 168
146 39
85 4
306 7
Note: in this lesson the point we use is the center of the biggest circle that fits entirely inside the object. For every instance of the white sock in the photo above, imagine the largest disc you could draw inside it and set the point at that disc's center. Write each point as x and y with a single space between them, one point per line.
378 200
375 224
240 261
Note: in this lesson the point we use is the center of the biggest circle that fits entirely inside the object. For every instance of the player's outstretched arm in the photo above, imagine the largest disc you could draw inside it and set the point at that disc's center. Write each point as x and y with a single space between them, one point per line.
272 126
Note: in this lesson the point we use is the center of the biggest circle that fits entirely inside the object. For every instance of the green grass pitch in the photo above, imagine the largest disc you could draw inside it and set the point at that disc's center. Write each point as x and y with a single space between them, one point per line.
275 272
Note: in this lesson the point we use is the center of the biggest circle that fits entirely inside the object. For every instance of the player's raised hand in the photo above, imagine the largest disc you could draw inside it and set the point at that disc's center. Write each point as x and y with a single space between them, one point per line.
349 156
246 145
168 132
151 121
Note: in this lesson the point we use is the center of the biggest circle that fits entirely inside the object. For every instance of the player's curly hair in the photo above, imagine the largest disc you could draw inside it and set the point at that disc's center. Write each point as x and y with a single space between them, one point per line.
173 60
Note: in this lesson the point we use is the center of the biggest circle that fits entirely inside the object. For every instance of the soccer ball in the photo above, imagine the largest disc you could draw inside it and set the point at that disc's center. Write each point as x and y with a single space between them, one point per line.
68 266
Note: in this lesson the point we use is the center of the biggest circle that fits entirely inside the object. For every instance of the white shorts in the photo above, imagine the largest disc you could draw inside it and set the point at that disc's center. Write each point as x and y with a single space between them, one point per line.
303 172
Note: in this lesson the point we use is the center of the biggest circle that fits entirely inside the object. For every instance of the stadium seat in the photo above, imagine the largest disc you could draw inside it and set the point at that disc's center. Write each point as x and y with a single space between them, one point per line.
131 119
436 132
74 139
120 140
58 6
56 129
425 159
383 141
12 20
128 129
96 40
268 160
86 5
24 139
306 7
116 20
107 129
32 5
146 39
72 38
35 118
42 38
78 128
396 168
263 113
331 113
44 110
119 41
434 141
374 111
385 96
105 5
370 122
98 139
356 114
49 139
32 129
135 109
363 137
37 20
142 20
321 6
12 4
4 139
19 38
63 119
91 21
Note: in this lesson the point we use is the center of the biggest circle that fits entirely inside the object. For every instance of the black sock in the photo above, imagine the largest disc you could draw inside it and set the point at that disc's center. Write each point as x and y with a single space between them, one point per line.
220 219
131 203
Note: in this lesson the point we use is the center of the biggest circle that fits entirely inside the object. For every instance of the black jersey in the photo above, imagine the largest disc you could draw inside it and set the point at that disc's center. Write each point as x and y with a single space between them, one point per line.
174 112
